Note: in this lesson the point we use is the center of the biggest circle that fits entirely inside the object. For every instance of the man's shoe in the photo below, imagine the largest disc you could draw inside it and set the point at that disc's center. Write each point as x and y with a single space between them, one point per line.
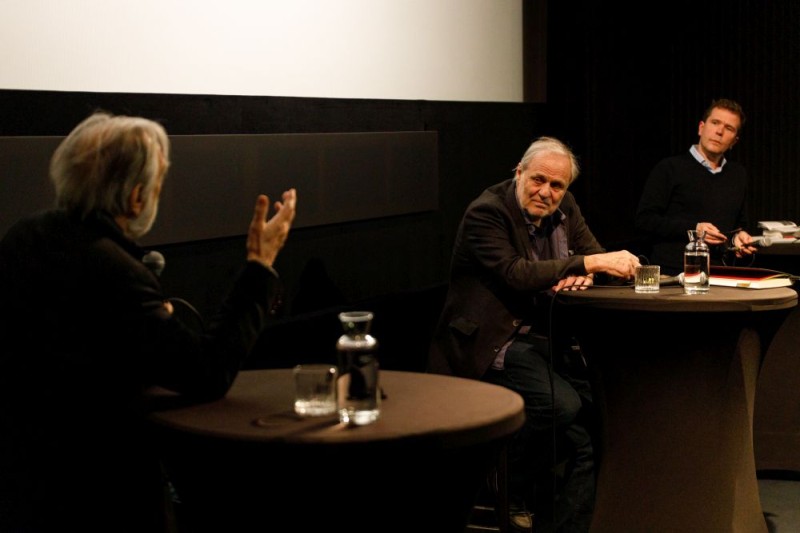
520 520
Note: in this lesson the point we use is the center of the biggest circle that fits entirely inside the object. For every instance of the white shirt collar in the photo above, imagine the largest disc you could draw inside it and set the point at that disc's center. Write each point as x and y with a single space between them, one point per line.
702 160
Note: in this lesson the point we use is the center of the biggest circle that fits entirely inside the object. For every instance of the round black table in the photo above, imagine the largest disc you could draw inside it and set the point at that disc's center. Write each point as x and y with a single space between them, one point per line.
776 421
782 248
675 378
246 461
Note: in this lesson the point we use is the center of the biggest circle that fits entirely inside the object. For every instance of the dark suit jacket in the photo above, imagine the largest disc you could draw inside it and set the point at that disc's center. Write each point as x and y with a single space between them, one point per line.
495 281
84 332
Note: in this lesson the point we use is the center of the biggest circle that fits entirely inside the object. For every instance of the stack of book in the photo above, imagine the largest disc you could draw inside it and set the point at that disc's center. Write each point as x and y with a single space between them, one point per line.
778 231
749 278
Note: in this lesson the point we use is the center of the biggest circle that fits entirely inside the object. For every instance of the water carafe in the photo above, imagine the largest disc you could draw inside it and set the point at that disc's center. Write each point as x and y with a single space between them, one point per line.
696 264
358 390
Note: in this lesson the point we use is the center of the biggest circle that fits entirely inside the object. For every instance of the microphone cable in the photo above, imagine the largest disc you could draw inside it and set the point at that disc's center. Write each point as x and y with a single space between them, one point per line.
551 378
201 323
551 335
731 250
155 262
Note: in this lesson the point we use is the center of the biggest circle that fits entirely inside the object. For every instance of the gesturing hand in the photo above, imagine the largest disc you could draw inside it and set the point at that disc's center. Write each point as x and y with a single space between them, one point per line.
266 237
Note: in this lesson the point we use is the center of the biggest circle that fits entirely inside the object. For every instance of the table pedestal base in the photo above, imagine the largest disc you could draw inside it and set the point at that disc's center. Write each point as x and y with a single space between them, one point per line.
677 406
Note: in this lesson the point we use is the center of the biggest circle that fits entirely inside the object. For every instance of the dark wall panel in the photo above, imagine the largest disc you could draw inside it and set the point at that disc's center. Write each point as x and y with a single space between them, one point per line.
214 179
391 246
24 185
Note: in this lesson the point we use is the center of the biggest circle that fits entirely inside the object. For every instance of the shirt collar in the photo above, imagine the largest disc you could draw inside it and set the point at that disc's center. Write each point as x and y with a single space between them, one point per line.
548 223
702 160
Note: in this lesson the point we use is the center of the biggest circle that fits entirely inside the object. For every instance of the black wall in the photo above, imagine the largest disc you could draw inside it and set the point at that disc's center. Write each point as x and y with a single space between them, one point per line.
624 87
338 264
630 84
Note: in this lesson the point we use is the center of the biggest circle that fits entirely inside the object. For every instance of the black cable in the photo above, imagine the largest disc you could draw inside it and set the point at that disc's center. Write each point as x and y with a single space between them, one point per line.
192 309
552 404
552 393
735 259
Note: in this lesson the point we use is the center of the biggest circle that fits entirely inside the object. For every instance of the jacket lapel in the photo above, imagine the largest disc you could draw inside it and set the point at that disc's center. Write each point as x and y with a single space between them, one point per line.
522 241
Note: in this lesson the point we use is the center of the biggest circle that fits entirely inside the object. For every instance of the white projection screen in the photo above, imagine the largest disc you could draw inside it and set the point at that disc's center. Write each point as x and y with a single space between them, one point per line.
449 50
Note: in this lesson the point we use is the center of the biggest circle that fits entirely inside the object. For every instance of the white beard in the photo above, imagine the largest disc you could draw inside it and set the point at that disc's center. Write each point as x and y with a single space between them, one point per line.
140 225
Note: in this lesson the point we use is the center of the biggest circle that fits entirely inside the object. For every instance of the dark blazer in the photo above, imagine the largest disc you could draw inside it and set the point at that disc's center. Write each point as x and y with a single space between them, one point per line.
84 332
495 281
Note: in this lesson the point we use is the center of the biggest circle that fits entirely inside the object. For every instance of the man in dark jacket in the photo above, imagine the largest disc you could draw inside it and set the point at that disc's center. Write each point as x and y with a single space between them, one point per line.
519 242
85 328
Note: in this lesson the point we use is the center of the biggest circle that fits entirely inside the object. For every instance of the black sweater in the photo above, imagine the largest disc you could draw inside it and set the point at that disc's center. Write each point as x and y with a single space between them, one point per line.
679 193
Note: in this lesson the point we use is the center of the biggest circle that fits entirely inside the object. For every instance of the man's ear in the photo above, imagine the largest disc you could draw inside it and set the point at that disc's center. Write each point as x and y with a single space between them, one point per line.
733 143
136 200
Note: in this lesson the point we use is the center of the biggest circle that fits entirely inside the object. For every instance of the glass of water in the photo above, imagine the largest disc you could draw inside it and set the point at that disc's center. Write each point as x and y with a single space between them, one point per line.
647 279
315 389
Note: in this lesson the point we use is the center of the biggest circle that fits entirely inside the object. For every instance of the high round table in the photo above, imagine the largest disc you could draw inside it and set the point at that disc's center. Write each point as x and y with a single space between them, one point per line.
246 461
675 379
776 424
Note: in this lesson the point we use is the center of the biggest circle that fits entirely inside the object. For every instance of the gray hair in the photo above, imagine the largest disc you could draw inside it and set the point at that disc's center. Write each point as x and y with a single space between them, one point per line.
544 145
100 162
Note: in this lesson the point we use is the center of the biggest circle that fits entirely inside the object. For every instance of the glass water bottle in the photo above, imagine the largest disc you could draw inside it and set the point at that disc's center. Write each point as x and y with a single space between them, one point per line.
358 390
696 264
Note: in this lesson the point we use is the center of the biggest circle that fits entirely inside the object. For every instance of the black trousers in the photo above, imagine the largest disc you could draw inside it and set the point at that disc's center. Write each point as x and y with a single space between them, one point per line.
551 467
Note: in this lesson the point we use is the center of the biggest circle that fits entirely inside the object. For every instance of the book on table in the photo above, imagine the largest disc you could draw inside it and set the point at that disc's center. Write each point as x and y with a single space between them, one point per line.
780 226
749 277
780 231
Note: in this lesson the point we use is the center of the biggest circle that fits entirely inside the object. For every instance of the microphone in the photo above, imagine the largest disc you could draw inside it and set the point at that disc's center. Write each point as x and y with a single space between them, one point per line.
759 242
155 262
